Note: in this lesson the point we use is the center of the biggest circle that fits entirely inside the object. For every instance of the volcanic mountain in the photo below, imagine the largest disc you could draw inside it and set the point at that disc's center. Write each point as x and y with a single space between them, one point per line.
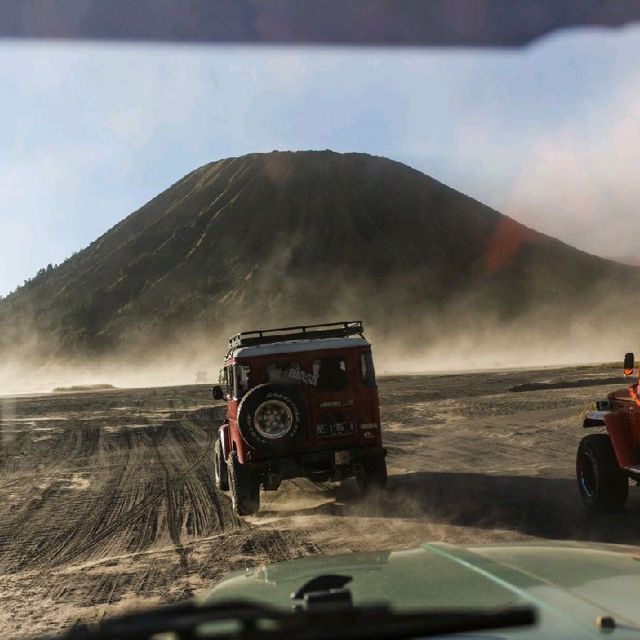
286 237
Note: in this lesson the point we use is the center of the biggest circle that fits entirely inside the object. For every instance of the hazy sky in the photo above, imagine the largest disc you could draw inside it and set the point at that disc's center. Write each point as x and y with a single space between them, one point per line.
549 134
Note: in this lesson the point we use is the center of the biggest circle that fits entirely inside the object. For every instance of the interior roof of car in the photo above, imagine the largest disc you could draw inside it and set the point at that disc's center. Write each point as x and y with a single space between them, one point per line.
497 23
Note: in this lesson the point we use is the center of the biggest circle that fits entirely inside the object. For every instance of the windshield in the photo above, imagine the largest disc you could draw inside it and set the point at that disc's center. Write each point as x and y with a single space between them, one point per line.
477 210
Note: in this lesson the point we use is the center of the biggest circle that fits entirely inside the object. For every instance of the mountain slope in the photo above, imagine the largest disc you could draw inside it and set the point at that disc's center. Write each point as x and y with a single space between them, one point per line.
285 237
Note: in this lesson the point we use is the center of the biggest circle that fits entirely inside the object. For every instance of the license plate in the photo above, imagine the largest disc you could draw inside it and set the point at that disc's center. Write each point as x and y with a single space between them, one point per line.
335 429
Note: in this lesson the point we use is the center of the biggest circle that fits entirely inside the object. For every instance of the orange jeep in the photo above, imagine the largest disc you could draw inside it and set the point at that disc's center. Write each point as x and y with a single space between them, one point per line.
607 461
301 402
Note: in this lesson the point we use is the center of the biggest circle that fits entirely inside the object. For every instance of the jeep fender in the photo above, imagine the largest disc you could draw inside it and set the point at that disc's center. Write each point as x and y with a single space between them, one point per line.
620 428
225 439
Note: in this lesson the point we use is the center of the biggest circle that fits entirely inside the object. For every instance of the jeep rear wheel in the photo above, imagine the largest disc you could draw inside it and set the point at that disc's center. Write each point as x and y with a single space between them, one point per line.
245 487
220 467
602 483
372 476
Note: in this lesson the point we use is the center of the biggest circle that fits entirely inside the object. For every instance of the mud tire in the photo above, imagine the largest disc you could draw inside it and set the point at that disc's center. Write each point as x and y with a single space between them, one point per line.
603 485
372 478
245 487
287 394
221 473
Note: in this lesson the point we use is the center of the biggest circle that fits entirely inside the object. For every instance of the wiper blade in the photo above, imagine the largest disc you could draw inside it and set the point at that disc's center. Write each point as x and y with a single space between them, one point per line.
249 621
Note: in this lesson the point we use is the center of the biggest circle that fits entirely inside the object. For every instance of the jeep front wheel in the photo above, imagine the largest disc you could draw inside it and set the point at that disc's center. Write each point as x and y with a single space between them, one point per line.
245 487
373 475
602 483
220 467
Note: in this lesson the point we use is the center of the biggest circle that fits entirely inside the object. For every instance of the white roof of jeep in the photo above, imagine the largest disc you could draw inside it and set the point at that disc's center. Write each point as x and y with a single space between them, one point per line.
296 346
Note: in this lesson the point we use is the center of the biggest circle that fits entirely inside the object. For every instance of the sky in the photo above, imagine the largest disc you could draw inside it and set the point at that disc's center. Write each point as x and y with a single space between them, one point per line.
548 134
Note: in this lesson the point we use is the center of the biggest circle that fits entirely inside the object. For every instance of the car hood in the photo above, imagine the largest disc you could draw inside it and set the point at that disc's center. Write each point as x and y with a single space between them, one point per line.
570 584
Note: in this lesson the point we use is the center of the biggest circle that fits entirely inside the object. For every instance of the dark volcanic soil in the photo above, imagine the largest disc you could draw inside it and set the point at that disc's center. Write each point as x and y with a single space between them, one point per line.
107 499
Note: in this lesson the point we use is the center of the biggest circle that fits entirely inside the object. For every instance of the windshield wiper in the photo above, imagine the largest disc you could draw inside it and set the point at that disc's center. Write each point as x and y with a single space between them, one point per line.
234 620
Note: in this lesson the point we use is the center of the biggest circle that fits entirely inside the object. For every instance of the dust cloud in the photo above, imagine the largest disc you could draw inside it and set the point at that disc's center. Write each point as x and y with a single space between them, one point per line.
418 321
449 341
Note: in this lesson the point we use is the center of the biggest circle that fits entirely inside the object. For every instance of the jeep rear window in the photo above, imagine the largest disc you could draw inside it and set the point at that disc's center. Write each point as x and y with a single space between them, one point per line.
330 374
367 372
284 372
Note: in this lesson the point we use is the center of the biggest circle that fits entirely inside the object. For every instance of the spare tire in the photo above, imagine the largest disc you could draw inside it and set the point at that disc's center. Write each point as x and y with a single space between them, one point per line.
270 416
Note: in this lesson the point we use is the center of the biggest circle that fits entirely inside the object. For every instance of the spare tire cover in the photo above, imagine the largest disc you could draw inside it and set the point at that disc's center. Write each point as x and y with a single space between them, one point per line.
270 416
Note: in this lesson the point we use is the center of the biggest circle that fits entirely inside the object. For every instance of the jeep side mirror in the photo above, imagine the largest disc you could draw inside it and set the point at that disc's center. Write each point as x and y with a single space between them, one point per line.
217 393
629 363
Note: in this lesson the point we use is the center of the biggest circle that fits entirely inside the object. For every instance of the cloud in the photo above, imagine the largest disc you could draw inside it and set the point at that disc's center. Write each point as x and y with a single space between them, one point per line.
579 181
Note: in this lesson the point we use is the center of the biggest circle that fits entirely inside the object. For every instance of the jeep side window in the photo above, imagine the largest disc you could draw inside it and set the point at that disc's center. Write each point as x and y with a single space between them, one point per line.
331 374
222 381
241 380
284 372
228 381
367 372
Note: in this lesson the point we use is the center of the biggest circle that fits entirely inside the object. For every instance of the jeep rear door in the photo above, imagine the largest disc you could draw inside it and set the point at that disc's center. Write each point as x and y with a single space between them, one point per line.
332 399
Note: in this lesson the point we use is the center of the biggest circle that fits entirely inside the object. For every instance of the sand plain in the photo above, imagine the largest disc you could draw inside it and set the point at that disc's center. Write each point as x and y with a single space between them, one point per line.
107 500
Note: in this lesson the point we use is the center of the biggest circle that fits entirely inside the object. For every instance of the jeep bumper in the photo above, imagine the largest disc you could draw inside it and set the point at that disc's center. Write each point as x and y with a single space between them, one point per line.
322 466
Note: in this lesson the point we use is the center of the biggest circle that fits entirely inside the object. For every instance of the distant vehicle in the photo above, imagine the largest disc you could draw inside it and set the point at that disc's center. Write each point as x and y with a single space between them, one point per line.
302 402
607 461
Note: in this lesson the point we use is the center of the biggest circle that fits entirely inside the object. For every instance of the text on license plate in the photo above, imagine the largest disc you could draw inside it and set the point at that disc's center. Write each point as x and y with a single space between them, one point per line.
335 429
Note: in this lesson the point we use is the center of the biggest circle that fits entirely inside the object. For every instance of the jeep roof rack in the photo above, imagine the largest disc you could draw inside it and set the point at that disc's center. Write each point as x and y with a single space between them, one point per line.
305 332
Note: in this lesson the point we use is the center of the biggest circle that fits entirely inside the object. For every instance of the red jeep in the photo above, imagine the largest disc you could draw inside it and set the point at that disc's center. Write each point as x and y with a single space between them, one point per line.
301 402
607 461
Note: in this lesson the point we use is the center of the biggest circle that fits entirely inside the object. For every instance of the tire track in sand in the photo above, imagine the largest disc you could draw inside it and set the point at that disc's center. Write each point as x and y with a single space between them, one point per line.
140 477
